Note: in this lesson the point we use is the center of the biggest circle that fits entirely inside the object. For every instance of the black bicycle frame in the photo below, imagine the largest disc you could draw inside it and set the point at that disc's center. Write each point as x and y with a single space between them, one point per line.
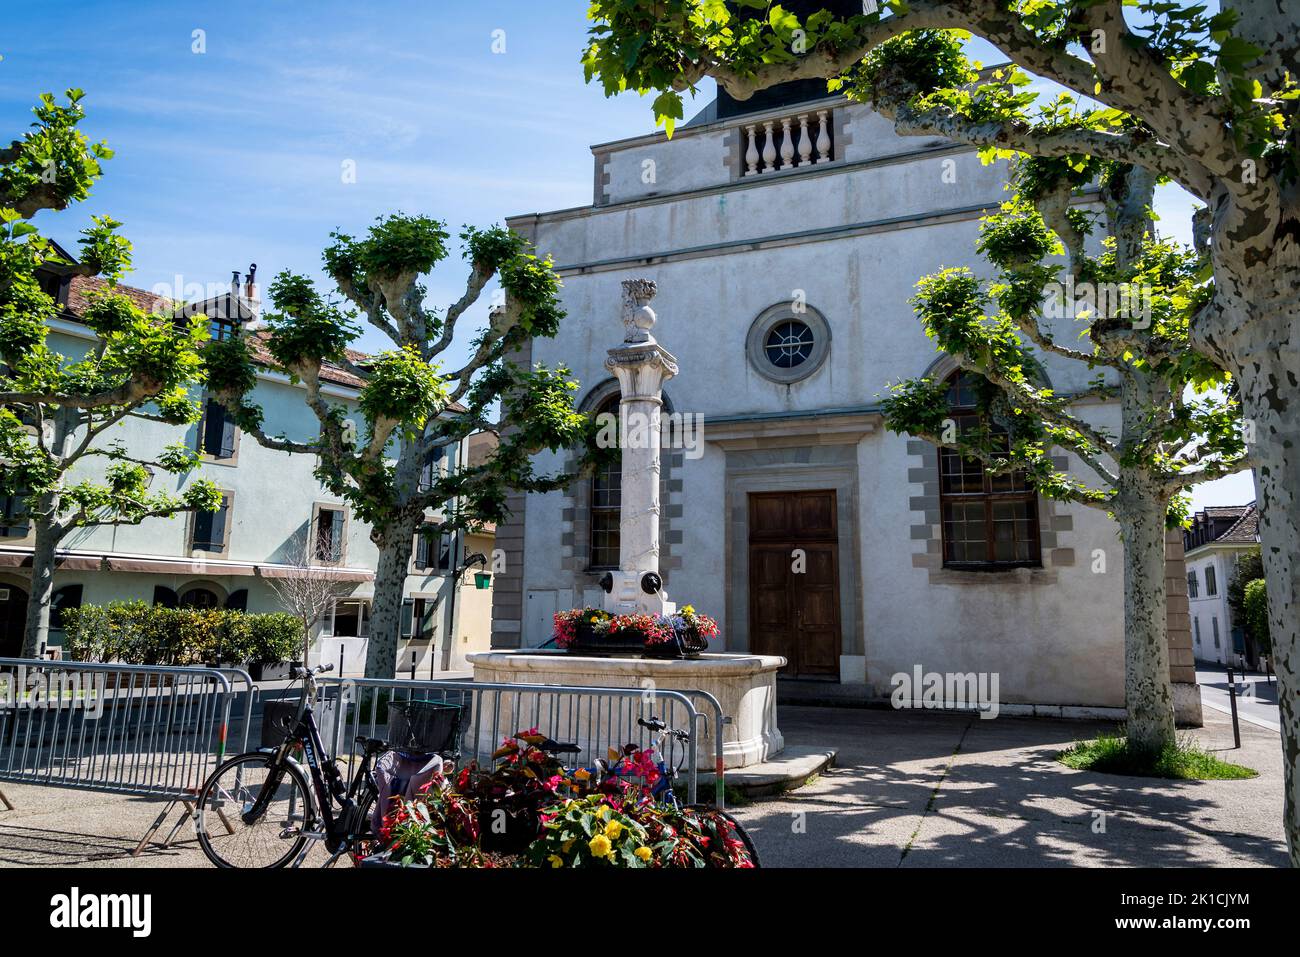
306 734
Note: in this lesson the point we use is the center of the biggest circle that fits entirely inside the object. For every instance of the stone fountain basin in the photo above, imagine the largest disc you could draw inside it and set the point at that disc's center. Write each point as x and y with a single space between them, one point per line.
745 686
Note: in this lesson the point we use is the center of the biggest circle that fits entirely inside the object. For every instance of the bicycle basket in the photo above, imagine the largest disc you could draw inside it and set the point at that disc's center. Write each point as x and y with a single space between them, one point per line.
423 727
279 719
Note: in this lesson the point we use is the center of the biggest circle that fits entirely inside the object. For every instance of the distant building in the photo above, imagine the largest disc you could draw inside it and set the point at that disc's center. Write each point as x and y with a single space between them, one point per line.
272 501
1218 538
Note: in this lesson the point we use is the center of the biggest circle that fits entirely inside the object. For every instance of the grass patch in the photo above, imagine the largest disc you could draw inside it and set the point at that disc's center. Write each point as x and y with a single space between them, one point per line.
1181 760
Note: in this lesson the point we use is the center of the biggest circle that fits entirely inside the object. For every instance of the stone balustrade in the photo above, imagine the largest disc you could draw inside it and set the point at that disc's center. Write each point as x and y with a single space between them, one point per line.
801 139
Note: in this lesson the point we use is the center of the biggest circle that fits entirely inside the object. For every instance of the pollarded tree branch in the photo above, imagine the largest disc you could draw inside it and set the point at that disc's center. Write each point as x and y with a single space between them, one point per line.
1025 137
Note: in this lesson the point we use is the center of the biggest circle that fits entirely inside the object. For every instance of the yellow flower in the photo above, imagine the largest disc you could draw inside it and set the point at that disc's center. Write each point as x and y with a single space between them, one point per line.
582 774
601 812
688 609
643 852
600 846
613 829
556 860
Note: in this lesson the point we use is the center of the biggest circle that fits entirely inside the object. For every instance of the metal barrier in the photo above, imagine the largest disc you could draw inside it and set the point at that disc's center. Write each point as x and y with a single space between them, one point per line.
127 729
595 718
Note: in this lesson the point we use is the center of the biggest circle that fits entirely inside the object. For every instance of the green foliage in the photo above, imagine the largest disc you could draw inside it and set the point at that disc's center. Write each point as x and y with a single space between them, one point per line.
921 62
140 634
1181 760
140 363
403 388
55 163
1255 605
306 330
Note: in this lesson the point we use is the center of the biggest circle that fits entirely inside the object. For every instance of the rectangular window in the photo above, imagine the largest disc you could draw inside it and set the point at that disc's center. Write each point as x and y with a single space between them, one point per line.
329 535
14 522
989 520
1211 586
433 467
351 619
211 528
1214 625
417 618
1193 586
222 329
217 431
434 549
606 502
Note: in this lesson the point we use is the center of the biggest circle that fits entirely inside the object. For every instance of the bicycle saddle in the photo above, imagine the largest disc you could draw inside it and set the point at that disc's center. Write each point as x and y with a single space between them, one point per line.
372 745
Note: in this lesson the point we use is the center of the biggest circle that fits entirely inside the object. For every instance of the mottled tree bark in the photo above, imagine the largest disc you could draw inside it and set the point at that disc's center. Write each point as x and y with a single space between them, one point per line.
386 613
37 629
1148 694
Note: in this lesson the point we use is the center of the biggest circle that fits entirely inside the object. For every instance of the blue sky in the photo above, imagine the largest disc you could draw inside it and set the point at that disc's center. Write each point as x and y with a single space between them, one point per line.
236 154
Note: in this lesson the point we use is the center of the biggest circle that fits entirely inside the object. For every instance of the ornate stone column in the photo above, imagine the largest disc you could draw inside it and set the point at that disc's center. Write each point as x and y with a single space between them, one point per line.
642 366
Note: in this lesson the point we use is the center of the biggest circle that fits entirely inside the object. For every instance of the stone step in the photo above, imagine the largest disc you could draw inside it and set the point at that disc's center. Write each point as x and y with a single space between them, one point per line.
786 771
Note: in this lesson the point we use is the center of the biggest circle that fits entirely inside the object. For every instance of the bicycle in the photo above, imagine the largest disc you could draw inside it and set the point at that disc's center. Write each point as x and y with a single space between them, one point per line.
273 811
662 790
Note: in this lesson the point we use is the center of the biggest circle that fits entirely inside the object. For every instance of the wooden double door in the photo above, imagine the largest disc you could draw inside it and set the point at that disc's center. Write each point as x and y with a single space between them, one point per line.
794 580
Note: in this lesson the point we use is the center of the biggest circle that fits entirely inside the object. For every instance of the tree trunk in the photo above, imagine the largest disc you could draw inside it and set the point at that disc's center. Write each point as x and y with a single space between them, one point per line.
386 616
1271 399
37 631
1147 691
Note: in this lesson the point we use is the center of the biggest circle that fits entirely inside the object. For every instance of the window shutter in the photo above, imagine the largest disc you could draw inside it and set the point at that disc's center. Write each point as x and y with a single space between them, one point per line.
227 434
164 597
422 548
69 596
202 530
408 614
218 538
238 600
446 547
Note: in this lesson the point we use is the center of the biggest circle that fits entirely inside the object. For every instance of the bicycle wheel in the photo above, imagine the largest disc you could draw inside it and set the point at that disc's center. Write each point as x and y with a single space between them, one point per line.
274 838
736 825
368 842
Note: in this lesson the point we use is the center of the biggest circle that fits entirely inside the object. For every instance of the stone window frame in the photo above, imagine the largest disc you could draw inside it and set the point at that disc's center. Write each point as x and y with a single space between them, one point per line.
230 461
1054 524
316 509
228 499
767 320
575 527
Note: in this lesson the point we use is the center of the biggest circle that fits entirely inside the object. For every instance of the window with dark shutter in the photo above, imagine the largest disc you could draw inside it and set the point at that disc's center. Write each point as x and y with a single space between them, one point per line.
329 535
432 468
218 432
446 550
210 528
989 520
69 596
14 522
1211 582
423 546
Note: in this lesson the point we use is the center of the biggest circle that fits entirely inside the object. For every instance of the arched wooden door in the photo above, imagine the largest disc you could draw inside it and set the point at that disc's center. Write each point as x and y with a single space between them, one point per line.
13 619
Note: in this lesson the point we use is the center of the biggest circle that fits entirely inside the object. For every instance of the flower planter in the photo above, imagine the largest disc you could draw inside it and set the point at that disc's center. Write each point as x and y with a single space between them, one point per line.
269 670
682 647
602 646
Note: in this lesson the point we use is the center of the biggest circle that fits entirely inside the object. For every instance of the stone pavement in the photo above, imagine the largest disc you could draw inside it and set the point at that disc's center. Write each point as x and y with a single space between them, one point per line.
934 789
915 789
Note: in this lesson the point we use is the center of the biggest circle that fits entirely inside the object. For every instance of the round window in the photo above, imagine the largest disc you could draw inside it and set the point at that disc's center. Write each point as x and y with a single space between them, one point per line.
788 342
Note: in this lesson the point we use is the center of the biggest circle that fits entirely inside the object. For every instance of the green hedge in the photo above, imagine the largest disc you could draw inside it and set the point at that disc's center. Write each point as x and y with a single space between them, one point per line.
135 633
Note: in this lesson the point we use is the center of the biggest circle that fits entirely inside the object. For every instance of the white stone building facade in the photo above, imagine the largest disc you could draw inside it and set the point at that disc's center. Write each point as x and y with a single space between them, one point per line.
784 276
